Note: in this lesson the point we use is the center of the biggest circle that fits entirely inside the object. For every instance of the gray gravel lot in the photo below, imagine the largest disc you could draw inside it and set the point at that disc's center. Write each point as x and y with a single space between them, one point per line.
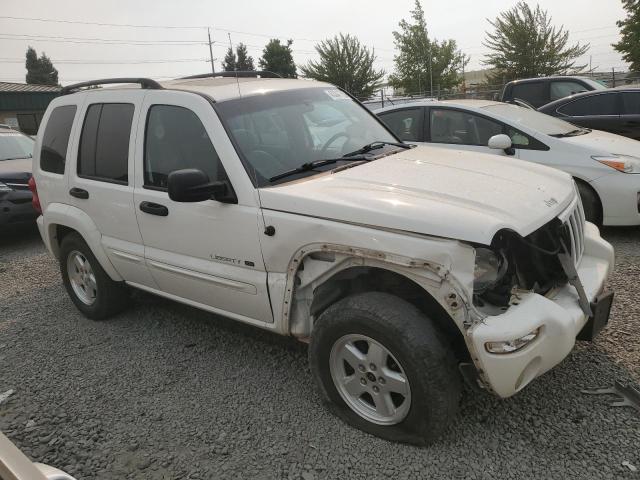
165 391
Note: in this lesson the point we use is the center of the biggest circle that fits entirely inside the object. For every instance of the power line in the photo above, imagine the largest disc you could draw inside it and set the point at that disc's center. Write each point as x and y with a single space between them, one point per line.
93 40
106 62
50 20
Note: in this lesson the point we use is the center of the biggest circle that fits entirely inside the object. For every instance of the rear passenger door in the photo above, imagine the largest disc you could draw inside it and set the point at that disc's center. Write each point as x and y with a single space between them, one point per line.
101 177
204 252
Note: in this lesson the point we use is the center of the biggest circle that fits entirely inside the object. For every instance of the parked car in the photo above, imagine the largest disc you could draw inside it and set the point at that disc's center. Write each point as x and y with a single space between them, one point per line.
14 465
396 264
605 166
614 110
16 151
540 91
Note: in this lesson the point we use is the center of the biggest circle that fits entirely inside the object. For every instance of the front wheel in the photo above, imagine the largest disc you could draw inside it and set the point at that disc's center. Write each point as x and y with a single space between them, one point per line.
381 366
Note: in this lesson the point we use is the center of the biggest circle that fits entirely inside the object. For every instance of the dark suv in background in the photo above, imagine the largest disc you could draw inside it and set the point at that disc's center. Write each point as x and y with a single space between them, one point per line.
614 110
540 91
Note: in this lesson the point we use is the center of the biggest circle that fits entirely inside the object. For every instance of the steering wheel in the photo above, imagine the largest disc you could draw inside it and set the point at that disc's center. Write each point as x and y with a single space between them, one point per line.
324 148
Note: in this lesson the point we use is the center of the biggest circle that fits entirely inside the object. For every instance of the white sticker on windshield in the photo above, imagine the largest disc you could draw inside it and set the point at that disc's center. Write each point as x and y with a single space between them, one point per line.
336 94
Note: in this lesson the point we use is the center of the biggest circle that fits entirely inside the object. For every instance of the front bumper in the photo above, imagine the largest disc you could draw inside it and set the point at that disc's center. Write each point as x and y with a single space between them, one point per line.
558 316
15 207
618 193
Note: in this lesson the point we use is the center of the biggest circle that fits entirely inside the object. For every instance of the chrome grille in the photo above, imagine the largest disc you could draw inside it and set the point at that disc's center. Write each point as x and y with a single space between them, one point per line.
573 219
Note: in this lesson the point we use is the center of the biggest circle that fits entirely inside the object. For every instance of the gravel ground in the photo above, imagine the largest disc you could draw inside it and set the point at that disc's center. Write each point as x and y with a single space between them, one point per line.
164 391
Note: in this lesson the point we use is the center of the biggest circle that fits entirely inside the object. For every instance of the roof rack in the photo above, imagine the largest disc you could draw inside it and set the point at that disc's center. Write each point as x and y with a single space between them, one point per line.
239 73
144 83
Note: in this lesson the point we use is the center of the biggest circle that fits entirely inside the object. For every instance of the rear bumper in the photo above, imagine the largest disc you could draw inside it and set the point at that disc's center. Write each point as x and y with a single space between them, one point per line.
559 318
16 207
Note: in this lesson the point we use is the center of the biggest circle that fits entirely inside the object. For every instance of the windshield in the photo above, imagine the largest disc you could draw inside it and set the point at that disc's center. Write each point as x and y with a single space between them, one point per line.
15 145
277 132
530 118
595 84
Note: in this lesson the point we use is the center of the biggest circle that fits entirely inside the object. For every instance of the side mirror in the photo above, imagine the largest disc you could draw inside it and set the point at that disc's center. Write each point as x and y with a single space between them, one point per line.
501 142
193 185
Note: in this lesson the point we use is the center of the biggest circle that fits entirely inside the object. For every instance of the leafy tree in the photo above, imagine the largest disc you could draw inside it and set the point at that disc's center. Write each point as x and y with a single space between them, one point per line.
629 44
240 60
525 44
421 60
40 71
278 58
345 62
244 62
229 62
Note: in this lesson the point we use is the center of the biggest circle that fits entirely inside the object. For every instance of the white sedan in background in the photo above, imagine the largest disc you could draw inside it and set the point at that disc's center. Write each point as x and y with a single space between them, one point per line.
606 167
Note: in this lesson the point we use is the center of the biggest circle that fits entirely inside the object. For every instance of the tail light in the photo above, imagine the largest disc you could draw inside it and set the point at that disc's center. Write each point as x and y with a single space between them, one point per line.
35 200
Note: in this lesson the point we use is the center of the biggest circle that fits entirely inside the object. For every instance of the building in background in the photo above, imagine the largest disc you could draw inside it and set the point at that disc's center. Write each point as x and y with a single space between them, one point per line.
22 105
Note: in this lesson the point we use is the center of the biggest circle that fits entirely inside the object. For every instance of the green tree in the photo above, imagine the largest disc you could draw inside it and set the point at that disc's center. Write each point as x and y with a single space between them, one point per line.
422 61
525 44
629 44
278 58
345 62
245 61
40 71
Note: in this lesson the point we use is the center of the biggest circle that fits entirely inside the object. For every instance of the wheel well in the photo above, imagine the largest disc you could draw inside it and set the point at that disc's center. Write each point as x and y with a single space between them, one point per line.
60 232
586 185
373 279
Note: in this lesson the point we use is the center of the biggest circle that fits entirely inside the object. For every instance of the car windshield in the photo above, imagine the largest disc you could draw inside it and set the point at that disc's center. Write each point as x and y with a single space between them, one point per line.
530 118
280 131
14 145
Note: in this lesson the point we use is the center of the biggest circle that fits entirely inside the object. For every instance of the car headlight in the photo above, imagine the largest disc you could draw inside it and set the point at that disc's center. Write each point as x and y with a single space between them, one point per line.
488 270
622 163
5 188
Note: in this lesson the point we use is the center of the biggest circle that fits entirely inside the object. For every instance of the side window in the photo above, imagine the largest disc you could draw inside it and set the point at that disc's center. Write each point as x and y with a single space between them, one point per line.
561 89
56 139
631 103
175 139
405 123
533 92
454 126
602 104
104 142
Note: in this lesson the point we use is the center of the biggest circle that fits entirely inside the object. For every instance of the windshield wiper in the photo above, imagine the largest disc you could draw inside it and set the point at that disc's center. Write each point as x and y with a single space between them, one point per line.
305 167
375 145
572 133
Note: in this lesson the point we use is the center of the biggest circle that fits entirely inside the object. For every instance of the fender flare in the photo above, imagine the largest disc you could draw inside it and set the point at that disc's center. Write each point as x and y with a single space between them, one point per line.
59 214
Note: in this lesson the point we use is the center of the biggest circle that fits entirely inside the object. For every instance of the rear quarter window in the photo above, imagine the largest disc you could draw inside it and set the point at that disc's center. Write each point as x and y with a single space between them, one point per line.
55 139
535 93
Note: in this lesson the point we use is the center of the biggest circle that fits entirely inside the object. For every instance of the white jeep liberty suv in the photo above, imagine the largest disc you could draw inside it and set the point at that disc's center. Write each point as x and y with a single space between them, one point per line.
287 205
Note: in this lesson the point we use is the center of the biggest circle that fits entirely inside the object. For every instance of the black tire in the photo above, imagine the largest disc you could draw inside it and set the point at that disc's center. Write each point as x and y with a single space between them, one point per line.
412 338
591 204
111 297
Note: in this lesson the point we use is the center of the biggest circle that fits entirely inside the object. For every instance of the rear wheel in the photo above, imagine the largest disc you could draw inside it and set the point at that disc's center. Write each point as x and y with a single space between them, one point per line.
381 366
92 291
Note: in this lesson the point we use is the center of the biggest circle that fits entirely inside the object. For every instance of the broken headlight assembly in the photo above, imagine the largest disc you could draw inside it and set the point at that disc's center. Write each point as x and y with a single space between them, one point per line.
489 269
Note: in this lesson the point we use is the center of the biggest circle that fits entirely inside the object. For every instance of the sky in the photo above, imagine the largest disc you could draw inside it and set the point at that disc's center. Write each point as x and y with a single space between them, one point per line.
178 46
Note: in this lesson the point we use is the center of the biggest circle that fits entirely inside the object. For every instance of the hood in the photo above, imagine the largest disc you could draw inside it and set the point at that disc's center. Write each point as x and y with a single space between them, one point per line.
19 165
433 191
605 143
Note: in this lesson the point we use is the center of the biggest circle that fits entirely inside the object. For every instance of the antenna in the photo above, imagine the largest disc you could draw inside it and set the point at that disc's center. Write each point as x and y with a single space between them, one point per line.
235 66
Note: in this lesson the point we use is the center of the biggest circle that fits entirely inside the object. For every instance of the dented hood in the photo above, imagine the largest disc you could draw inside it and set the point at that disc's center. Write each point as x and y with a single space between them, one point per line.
448 193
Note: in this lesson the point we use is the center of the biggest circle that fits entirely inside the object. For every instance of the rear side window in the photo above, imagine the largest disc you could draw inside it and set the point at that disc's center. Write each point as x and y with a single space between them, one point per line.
176 139
405 123
56 139
463 128
603 104
534 93
631 103
561 89
104 144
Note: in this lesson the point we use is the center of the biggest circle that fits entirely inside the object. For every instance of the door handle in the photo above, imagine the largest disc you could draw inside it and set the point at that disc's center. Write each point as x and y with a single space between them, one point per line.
79 193
154 209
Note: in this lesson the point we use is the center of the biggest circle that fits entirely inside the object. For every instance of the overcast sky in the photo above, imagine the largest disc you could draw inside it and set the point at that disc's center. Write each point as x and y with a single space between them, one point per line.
171 52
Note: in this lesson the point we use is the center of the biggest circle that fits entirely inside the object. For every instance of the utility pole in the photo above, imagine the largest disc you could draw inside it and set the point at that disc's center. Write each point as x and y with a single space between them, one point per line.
213 70
613 77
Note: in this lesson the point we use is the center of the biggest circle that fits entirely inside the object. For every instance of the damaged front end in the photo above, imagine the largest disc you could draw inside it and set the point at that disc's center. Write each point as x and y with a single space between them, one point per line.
537 263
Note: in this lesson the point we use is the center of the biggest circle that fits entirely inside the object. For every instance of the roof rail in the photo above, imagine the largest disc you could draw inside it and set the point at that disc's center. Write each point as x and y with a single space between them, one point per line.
233 74
144 83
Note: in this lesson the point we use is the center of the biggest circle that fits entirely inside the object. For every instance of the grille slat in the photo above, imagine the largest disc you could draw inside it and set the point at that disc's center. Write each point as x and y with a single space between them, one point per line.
574 231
